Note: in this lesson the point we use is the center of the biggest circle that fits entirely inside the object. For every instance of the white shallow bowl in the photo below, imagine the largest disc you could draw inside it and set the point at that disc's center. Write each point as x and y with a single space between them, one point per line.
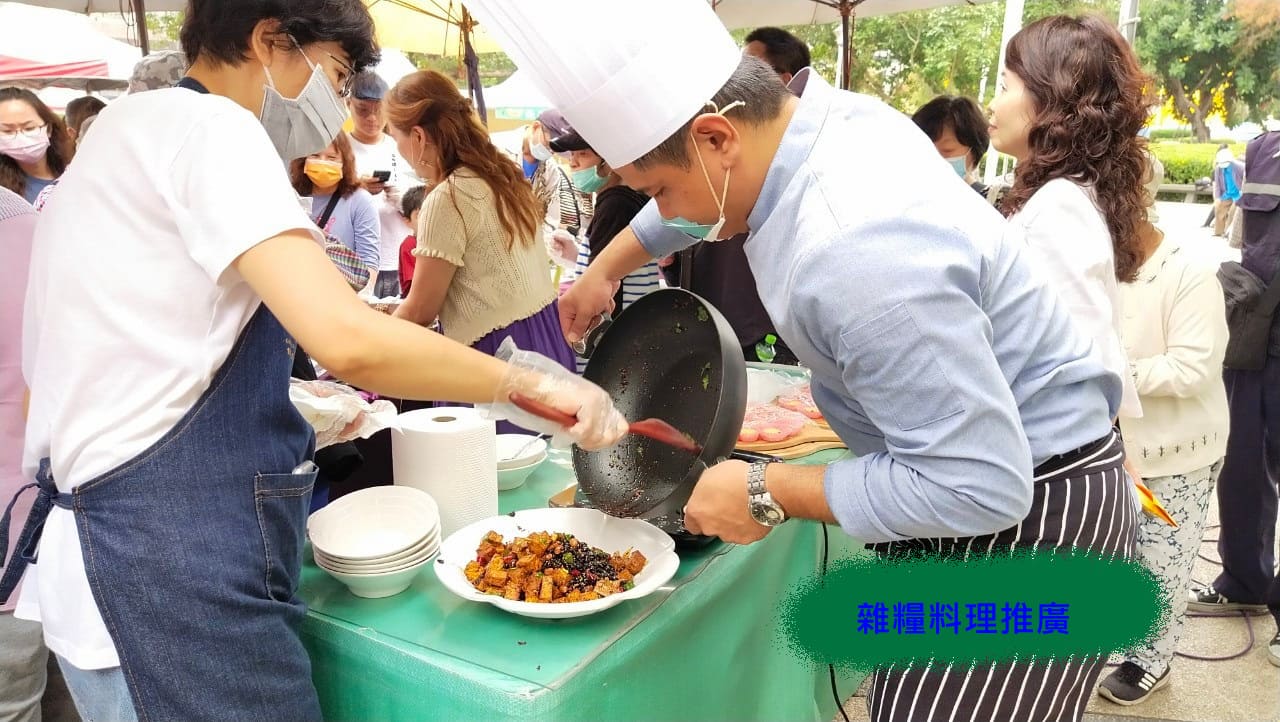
589 525
373 524
426 548
380 569
509 444
509 479
376 586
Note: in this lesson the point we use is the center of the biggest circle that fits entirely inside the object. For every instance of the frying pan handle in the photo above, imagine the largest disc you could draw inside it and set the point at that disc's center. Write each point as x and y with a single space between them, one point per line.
586 345
541 410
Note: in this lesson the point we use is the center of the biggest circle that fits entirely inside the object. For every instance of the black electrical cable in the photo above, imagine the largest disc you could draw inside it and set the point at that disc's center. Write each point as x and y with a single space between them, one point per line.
831 668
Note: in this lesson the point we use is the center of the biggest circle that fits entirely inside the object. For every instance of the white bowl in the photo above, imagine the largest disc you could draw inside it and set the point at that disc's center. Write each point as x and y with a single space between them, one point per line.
426 547
379 569
509 479
509 444
591 526
373 524
376 586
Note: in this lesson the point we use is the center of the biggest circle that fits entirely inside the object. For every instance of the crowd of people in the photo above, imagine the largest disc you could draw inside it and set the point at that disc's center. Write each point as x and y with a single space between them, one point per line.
1005 362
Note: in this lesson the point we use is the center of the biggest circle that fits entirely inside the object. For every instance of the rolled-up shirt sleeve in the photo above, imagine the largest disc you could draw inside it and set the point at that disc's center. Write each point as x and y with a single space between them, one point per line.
913 348
659 240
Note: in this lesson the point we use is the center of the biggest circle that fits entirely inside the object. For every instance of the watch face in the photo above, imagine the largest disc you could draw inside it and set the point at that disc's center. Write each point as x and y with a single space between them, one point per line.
766 514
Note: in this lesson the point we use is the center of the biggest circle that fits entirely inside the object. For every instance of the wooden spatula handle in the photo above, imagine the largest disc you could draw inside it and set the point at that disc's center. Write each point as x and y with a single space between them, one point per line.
541 410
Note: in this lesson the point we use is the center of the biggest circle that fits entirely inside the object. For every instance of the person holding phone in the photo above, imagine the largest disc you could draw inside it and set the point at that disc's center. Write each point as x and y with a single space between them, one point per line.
382 171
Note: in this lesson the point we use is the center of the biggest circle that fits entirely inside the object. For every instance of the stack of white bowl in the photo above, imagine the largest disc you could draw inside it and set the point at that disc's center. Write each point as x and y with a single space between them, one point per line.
519 455
376 540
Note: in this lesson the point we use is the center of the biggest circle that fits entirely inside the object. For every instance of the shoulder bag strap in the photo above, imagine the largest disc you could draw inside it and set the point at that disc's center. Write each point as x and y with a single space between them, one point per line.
328 209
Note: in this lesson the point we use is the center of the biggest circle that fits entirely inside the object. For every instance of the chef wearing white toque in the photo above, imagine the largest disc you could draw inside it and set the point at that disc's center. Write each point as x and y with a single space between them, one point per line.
952 372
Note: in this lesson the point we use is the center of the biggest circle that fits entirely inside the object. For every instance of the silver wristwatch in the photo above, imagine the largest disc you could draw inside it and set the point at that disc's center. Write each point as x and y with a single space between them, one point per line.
763 508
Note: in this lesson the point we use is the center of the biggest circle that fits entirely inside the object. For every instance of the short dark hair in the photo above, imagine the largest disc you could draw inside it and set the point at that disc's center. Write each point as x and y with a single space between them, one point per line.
80 108
219 30
785 52
962 115
754 83
412 201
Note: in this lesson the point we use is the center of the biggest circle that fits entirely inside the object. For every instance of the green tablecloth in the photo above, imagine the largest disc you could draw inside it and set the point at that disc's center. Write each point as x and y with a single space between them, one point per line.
704 647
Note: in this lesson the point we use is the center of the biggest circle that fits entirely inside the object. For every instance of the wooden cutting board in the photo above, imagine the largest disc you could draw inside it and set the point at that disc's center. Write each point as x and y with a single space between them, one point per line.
811 439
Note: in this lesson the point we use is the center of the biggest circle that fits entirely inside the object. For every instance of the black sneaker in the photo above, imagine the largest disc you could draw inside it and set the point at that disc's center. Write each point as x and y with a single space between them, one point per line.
1273 650
1131 684
1209 600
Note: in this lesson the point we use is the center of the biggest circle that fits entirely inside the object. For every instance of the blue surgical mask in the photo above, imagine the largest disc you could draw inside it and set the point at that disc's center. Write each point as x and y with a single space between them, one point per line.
530 167
959 164
539 151
702 231
588 180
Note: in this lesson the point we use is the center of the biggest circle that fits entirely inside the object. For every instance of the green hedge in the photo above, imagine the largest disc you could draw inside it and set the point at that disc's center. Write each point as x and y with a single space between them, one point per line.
1170 134
1188 162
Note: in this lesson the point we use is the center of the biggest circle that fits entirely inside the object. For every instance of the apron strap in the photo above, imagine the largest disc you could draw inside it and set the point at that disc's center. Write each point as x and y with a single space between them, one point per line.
24 551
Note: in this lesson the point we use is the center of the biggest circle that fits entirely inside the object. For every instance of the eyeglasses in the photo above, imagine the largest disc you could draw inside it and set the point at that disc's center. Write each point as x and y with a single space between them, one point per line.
345 81
28 133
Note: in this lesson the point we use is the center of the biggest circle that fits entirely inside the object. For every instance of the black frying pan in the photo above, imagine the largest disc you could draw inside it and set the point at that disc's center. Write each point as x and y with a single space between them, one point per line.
672 356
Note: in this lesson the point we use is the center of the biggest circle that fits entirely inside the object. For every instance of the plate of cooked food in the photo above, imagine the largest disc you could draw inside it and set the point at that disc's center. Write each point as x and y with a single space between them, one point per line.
556 563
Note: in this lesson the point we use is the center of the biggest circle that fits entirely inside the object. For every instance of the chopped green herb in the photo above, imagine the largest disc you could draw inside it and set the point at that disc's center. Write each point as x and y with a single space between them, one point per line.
702 314
568 558
628 586
679 328
706 376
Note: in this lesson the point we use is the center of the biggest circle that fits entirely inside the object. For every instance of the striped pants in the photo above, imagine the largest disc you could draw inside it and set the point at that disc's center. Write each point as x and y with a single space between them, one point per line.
1087 502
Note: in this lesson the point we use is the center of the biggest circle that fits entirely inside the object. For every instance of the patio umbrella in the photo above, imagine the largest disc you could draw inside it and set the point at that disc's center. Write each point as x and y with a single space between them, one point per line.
756 13
436 27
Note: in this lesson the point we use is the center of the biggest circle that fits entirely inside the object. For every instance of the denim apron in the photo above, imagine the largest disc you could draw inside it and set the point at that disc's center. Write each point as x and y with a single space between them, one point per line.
193 548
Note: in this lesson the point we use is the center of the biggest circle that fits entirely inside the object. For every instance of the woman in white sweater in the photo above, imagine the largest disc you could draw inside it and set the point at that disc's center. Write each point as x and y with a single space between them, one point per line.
1070 106
1175 331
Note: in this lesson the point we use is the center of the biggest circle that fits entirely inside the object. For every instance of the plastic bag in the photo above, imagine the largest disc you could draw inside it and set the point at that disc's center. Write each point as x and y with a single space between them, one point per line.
339 413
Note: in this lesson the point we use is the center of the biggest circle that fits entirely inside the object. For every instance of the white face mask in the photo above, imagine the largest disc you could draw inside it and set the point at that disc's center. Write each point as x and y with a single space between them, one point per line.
539 151
307 124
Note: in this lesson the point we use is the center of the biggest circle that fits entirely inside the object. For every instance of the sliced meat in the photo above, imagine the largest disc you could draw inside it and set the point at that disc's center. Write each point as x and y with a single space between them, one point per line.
770 423
800 400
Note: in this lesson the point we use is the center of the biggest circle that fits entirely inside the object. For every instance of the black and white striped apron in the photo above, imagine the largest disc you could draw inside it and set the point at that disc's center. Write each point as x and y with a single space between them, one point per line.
1081 499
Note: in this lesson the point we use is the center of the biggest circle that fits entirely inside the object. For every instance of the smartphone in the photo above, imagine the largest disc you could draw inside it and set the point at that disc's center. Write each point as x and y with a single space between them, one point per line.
382 175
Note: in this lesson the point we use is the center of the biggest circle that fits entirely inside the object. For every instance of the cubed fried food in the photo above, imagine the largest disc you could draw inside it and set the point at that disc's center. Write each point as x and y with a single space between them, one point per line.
550 567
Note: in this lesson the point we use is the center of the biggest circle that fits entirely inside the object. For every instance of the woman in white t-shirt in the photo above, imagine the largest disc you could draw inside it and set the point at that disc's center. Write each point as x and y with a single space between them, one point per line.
170 275
1071 103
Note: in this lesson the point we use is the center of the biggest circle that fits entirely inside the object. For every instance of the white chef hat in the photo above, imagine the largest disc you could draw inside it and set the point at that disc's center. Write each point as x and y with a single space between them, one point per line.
625 73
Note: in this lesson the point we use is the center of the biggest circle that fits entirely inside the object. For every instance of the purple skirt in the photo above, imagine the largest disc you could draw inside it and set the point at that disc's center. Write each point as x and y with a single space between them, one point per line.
540 333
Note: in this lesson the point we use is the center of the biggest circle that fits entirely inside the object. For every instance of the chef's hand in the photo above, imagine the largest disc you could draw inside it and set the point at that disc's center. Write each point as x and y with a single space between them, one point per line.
590 296
373 185
544 379
718 505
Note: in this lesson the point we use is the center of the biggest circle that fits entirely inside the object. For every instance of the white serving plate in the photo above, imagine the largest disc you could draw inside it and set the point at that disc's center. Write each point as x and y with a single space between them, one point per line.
589 525
373 524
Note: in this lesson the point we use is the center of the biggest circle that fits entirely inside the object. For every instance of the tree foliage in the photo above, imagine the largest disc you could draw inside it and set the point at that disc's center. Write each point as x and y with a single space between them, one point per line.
1208 57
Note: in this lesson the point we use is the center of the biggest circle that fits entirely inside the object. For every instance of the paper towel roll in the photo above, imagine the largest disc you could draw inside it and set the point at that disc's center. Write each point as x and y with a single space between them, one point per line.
450 453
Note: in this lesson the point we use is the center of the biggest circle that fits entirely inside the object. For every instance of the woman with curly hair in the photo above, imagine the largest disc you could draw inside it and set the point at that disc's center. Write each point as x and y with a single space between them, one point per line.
1072 100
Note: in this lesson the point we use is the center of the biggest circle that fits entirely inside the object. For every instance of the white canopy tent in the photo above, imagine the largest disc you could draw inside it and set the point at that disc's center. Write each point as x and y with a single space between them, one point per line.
135 8
42 47
515 98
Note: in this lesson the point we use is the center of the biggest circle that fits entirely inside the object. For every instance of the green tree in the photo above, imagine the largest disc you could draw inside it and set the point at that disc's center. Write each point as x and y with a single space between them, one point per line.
163 30
1202 53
